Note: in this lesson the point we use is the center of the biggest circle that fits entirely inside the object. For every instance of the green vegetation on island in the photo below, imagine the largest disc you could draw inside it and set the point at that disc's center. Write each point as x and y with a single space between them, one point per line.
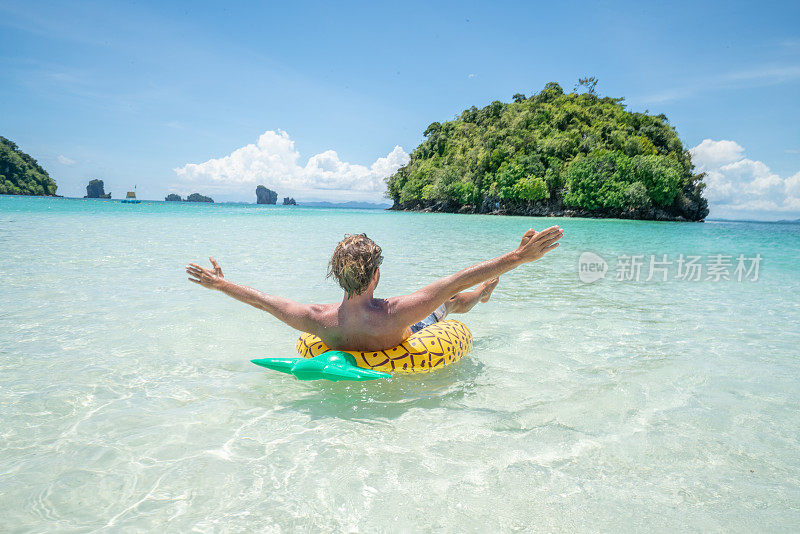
197 197
553 154
20 174
194 197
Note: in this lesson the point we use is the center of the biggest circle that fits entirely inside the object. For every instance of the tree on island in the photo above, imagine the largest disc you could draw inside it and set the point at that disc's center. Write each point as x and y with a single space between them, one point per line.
96 189
172 197
589 83
553 154
20 174
265 196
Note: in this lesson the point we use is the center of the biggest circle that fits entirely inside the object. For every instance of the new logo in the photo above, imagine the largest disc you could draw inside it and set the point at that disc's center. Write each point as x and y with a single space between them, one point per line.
591 267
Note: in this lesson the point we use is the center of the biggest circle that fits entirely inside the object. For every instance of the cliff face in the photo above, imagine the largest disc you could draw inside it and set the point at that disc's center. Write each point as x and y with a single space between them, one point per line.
693 211
266 196
96 189
20 174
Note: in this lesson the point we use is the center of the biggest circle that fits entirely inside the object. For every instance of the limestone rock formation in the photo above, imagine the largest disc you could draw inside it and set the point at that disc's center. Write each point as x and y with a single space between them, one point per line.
95 189
266 196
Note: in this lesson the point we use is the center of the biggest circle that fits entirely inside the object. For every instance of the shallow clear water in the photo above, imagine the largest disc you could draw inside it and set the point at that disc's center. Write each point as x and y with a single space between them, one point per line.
128 400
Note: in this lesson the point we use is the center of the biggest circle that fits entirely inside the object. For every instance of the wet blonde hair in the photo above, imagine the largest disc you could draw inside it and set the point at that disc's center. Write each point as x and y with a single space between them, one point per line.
354 262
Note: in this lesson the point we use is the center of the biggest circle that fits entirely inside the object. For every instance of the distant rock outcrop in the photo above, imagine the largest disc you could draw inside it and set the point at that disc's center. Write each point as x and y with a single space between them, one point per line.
96 189
287 201
172 197
265 196
197 197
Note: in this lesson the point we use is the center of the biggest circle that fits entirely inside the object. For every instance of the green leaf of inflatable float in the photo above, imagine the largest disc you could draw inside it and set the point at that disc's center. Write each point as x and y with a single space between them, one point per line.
332 365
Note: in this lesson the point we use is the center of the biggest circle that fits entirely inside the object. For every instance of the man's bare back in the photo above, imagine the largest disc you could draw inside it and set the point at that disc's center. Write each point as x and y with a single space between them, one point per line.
363 322
369 326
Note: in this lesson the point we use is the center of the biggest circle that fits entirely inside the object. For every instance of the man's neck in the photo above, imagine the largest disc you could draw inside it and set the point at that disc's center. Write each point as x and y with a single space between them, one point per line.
358 301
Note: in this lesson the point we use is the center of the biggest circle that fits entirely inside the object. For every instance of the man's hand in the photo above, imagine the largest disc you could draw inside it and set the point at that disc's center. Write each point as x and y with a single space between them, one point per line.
535 244
210 278
527 237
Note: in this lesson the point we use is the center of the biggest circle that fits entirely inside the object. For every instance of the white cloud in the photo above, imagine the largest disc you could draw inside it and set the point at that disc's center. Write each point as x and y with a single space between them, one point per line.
756 77
793 185
472 75
64 160
767 74
274 162
735 183
710 154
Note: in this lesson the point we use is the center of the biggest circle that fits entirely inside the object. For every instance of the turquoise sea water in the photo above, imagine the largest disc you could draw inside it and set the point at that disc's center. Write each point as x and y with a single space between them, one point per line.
128 401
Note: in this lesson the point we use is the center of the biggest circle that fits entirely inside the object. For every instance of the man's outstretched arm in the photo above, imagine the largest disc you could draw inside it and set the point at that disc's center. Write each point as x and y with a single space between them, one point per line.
412 308
296 315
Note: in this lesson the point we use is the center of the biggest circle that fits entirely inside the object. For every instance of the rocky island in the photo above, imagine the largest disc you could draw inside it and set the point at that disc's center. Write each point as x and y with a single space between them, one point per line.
194 197
289 201
197 197
96 189
20 174
553 154
265 196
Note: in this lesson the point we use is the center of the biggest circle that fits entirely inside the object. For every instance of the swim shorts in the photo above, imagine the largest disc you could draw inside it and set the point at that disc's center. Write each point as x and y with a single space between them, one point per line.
438 314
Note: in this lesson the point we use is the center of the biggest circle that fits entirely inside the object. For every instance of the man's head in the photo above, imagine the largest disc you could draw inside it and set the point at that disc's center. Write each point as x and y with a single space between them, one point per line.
355 263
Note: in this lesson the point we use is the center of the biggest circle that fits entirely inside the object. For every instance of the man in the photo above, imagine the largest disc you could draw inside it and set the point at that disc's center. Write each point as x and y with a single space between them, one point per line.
365 323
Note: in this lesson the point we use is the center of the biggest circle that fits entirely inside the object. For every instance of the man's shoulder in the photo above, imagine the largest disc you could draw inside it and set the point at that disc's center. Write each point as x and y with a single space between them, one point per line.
322 309
386 305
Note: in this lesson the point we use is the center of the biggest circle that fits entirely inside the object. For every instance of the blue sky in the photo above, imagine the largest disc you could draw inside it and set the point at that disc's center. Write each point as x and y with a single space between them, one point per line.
323 93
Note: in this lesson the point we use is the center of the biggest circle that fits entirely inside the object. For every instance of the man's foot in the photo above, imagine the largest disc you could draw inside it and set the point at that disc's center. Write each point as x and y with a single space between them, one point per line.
466 300
487 287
